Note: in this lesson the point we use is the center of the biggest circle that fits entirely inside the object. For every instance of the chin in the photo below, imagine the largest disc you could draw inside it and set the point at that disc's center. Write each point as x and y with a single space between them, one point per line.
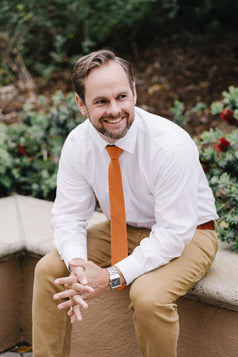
116 136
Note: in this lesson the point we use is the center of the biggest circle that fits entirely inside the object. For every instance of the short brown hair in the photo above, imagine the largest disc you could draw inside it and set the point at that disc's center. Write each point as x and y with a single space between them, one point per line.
95 59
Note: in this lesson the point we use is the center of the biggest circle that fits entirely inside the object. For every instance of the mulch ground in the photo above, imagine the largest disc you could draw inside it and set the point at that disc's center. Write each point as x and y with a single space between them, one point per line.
169 72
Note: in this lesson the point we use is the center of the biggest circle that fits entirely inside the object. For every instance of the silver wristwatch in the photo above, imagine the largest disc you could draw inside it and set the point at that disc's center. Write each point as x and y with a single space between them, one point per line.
114 278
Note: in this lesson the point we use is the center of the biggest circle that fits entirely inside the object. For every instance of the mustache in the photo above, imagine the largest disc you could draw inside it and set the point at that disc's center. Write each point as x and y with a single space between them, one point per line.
114 117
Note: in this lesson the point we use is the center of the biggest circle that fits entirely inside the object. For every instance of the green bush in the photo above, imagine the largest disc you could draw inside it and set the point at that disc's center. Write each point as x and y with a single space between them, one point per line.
29 151
219 157
50 35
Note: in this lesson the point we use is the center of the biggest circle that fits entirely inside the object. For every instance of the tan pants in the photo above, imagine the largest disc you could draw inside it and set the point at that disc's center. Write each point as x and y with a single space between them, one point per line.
152 295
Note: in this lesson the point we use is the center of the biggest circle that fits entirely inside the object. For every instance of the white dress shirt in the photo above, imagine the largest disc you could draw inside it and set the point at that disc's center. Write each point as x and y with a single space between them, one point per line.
165 190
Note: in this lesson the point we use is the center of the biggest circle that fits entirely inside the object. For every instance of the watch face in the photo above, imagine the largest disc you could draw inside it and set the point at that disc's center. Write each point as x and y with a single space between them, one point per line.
116 282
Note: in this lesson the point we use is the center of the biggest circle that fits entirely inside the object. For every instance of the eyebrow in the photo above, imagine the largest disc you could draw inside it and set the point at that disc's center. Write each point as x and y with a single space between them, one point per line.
101 97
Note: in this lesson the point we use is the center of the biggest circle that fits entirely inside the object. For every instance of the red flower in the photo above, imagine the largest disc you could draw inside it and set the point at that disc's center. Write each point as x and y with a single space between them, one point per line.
21 150
222 145
228 116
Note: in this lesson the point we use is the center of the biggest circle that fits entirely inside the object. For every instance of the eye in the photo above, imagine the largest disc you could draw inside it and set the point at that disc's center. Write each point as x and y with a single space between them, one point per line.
100 101
122 96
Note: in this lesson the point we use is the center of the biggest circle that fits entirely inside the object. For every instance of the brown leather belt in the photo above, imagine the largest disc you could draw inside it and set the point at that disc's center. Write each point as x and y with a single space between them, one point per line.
207 225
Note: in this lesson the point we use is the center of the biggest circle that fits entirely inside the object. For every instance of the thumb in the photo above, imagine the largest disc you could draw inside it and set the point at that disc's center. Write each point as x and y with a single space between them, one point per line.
78 270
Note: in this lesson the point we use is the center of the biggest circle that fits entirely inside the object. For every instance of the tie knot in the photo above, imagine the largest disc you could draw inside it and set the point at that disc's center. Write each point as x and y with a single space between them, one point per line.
114 152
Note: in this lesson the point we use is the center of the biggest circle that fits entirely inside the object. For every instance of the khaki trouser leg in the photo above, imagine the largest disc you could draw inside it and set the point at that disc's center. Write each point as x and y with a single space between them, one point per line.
51 327
154 294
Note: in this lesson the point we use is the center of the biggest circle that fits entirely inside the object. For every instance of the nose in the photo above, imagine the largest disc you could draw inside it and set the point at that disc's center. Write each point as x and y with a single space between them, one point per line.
113 108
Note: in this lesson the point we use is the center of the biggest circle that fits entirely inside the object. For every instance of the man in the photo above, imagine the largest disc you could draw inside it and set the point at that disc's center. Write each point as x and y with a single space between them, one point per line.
168 205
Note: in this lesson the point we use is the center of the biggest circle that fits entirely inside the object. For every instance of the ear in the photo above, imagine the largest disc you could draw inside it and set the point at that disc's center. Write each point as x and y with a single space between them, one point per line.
134 93
81 105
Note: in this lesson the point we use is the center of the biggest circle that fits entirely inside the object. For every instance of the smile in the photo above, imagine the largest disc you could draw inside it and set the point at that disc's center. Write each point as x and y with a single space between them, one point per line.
114 121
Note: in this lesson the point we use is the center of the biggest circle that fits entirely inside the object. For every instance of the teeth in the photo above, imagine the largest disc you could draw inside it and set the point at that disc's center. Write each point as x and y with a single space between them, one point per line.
113 120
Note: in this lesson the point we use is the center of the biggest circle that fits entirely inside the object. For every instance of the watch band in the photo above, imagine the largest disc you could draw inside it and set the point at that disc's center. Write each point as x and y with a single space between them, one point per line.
114 278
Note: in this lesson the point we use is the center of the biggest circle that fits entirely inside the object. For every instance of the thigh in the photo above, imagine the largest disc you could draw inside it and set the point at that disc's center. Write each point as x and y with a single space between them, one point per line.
99 242
167 283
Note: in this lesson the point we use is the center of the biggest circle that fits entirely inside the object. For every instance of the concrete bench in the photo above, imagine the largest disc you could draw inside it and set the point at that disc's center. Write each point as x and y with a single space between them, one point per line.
208 313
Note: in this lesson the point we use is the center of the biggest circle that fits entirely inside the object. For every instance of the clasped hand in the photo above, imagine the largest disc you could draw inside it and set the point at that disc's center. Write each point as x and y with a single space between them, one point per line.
85 282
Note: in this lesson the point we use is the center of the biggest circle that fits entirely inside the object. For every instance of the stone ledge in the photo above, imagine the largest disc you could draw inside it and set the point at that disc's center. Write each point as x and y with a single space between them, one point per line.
24 223
219 286
24 226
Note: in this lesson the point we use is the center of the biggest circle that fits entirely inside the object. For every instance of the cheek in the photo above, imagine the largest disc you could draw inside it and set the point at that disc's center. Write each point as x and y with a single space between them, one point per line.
97 114
128 107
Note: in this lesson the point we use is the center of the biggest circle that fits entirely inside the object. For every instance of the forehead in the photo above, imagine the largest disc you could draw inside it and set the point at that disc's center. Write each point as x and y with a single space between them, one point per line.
108 77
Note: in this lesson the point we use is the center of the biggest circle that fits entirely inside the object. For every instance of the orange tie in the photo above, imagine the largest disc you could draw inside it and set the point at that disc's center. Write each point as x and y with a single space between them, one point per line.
119 247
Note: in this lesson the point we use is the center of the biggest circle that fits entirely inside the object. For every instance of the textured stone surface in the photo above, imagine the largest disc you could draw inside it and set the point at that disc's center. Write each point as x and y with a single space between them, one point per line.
107 328
24 223
219 286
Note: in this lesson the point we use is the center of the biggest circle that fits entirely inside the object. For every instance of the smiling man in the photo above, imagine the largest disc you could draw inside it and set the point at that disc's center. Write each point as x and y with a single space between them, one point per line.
159 238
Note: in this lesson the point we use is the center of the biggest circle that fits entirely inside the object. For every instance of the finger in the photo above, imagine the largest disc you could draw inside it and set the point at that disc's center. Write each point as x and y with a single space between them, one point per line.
65 294
75 300
81 288
79 271
82 278
72 279
75 314
78 300
65 305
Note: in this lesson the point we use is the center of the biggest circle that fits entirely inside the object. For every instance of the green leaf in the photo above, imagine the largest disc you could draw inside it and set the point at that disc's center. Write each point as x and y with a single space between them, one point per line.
216 108
236 113
211 136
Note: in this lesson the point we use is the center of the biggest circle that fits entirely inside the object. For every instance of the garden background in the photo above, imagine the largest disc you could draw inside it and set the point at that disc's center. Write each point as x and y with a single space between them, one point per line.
185 59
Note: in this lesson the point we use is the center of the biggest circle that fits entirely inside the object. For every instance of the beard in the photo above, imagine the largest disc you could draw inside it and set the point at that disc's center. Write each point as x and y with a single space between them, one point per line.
118 134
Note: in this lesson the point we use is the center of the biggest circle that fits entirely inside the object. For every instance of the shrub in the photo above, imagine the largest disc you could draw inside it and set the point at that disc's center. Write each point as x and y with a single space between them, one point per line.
29 151
219 157
49 35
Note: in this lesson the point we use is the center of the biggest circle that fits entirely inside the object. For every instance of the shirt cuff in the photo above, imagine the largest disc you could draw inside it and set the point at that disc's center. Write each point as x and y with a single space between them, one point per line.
72 252
129 273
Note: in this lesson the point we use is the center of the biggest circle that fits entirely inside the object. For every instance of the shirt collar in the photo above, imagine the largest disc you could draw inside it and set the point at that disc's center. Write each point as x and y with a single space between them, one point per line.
127 143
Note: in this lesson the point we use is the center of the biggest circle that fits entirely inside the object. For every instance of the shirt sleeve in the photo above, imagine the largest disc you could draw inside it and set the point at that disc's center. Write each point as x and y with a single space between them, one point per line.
176 180
73 207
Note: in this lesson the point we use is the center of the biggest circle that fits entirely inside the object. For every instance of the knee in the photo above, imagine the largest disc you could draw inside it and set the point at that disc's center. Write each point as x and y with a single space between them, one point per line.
142 302
50 267
41 269
148 307
147 300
